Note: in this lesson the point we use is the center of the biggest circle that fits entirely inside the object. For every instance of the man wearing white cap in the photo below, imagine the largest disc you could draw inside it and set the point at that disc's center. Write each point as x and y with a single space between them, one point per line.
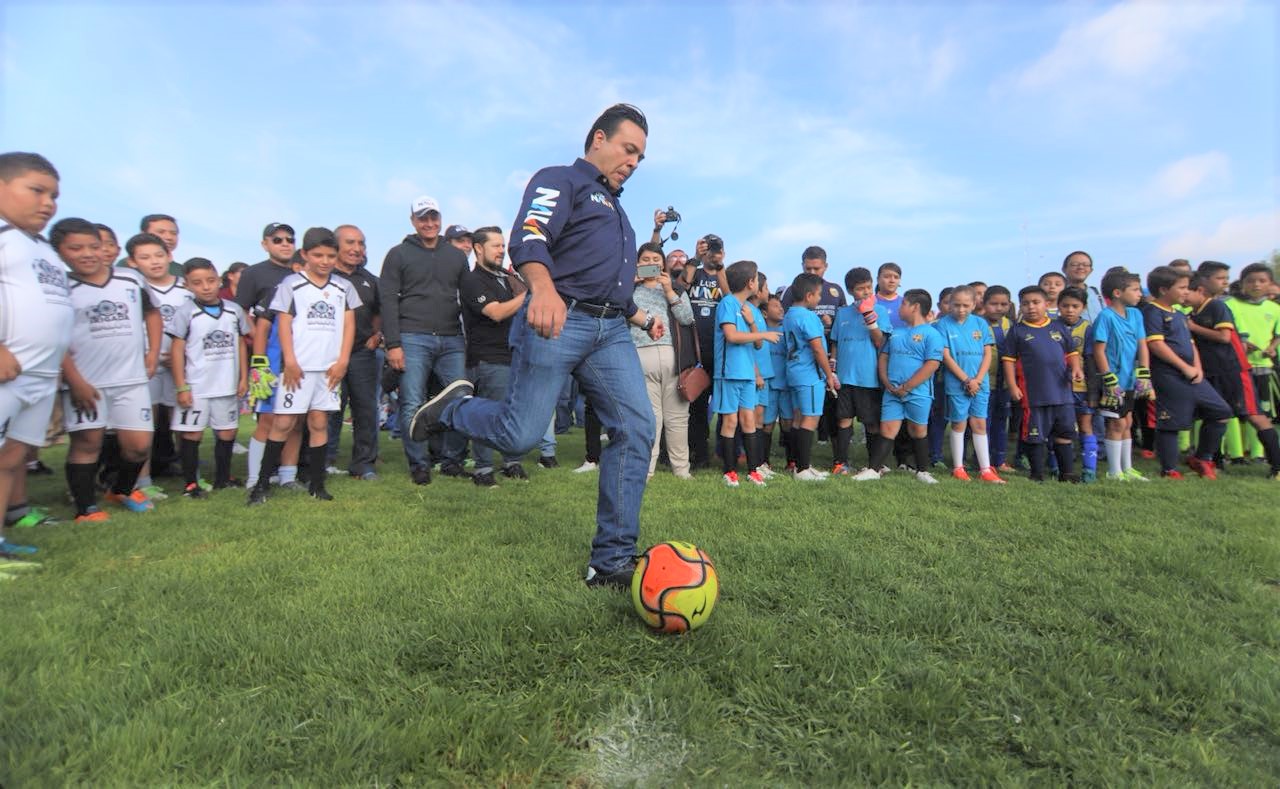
421 321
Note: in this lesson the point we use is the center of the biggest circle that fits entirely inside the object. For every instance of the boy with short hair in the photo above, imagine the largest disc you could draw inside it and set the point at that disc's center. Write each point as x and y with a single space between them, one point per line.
1052 283
809 372
1181 391
967 343
210 373
314 312
858 332
778 404
1257 319
764 372
1224 359
996 303
735 373
1072 305
907 363
1050 364
169 295
106 367
1118 345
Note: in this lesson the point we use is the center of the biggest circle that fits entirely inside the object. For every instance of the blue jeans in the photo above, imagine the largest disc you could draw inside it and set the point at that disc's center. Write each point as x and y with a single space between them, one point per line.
599 354
360 389
490 381
426 355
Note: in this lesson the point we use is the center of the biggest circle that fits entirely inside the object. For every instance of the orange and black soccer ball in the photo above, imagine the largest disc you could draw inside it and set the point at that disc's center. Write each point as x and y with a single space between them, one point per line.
675 587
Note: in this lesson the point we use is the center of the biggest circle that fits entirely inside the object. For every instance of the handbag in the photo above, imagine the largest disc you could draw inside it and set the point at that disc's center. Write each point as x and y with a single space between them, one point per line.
693 380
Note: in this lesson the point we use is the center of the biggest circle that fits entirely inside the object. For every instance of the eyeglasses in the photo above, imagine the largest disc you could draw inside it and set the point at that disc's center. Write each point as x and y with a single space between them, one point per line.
282 239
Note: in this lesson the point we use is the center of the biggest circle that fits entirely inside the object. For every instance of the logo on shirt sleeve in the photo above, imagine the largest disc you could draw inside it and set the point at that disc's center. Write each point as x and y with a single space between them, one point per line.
540 210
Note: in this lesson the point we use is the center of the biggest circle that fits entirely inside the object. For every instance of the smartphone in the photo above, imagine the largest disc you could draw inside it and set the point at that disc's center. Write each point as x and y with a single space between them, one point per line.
649 270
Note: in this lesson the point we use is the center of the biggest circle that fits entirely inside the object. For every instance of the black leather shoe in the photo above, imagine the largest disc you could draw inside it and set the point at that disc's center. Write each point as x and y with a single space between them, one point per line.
421 475
548 461
617 579
426 421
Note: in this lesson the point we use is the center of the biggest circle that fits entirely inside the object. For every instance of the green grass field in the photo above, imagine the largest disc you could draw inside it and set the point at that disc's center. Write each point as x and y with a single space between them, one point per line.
877 633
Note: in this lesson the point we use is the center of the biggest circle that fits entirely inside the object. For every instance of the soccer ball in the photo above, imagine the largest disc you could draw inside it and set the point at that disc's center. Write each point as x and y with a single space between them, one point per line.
675 586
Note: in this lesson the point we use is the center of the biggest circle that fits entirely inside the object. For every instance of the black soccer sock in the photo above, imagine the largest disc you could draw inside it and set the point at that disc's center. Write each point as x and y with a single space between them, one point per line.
127 478
751 445
728 458
1167 449
841 449
1066 457
1038 455
766 443
222 451
788 444
270 463
877 451
1211 433
920 449
109 458
81 478
189 451
1270 447
873 441
804 447
318 470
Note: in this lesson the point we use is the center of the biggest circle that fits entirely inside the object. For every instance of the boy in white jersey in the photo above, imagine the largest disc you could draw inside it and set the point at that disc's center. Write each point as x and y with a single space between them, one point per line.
210 373
106 368
316 322
35 316
168 294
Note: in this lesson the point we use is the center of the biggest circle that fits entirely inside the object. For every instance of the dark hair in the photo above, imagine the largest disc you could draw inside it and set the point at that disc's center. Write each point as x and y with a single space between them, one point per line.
959 289
803 285
1162 278
647 246
481 234
1257 268
763 279
195 264
1073 254
997 290
16 163
1079 294
919 297
1117 278
894 267
1048 274
813 253
233 268
1179 263
855 277
1198 280
145 224
104 229
72 225
142 239
612 118
739 274
977 283
1032 290
945 293
1209 267
775 297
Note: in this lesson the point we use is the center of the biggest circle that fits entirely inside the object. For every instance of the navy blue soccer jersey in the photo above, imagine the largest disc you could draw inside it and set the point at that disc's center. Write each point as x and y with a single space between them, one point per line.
1043 349
1217 358
1170 327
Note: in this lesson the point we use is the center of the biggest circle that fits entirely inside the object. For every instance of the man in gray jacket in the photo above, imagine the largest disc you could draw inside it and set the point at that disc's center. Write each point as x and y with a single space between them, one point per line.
421 320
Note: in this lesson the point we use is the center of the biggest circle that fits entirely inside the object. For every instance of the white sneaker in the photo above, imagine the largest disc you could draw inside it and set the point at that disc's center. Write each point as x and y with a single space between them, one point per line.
586 466
334 471
809 475
239 449
926 478
765 471
820 472
866 475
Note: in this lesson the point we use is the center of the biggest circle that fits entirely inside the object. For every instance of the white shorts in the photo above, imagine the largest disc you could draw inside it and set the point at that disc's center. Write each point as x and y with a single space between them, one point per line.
119 408
219 413
163 389
25 405
313 394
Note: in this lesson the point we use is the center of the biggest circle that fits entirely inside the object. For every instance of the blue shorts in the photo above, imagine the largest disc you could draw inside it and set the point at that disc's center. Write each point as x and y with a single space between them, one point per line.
962 407
1081 403
768 399
730 395
1050 421
277 366
1179 403
780 401
915 408
809 399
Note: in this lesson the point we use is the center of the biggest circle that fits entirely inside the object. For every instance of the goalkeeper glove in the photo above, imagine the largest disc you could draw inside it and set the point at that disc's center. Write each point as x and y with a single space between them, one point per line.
1143 386
867 307
262 381
1110 396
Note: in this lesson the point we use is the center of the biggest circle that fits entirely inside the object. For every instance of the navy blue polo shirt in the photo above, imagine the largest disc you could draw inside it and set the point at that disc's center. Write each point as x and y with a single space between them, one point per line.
1170 326
571 222
1043 349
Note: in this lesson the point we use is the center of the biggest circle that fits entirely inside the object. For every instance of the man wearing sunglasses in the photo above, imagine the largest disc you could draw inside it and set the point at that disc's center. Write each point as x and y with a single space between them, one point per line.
257 287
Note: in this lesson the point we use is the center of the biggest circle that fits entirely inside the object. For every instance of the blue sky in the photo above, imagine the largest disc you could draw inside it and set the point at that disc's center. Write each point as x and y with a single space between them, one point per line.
964 141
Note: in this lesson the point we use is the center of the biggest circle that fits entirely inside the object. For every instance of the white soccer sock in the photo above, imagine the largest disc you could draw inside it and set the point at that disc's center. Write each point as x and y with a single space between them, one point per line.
1126 453
981 449
256 448
1115 455
957 448
288 474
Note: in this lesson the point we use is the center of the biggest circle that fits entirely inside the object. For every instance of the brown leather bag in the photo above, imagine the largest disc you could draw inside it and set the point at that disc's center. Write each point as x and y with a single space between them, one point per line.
693 380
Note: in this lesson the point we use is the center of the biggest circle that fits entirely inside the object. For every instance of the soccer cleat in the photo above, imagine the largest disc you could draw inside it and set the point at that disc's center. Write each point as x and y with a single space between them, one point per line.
93 515
194 491
766 471
484 479
1202 467
334 471
258 495
204 485
1133 475
791 467
1240 461
136 501
1173 474
421 475
368 476
515 471
587 465
989 474
320 493
926 478
155 493
426 421
36 516
37 466
1073 479
230 482
293 485
1088 476
1148 454
730 479
839 470
867 474
9 550
617 579
548 461
756 478
1113 476
961 474
1005 468
809 475
453 470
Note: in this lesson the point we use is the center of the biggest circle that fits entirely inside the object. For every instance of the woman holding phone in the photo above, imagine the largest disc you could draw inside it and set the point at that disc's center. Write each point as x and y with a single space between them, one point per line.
655 295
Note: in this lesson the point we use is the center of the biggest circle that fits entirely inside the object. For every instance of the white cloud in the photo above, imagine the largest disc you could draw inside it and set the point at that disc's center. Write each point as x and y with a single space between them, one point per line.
1192 174
1238 238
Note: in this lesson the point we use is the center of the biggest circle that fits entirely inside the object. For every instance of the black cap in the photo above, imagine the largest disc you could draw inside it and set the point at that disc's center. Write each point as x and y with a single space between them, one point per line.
319 237
271 229
456 231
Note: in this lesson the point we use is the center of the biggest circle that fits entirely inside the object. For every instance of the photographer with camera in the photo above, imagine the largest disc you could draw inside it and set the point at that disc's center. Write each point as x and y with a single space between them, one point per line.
706 283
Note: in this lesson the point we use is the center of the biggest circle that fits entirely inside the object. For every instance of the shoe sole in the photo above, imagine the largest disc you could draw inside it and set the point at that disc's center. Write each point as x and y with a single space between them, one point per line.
419 429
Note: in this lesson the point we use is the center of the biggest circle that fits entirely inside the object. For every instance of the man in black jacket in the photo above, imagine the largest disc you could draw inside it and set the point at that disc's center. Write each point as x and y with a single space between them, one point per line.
360 385
421 320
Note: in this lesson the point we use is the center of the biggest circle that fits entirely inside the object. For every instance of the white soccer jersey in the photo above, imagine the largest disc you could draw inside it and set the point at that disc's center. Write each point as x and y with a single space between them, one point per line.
318 318
212 334
35 305
168 301
109 335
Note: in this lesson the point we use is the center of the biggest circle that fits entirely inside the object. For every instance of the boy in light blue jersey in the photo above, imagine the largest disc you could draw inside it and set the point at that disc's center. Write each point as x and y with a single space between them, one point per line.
966 356
809 372
734 369
764 374
857 334
1119 350
778 404
905 368
1072 303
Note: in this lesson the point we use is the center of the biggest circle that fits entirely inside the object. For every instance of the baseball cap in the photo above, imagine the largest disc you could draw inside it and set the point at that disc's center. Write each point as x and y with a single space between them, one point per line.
456 231
422 205
319 237
272 228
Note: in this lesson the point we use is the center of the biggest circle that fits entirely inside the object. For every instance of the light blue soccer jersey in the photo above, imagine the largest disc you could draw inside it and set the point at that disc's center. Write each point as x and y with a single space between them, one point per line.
733 361
969 343
799 327
908 349
855 353
1121 335
763 355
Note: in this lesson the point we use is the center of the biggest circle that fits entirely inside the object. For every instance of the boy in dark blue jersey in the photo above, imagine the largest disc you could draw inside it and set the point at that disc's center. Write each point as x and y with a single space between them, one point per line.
1049 365
996 303
857 334
1072 303
1118 346
966 357
734 369
1182 394
906 367
809 372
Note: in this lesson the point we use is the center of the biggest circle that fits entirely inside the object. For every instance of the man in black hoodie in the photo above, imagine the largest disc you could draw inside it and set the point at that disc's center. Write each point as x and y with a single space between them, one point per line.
421 320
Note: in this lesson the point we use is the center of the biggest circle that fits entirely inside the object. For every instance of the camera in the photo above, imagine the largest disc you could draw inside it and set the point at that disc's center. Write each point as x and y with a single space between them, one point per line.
714 244
672 215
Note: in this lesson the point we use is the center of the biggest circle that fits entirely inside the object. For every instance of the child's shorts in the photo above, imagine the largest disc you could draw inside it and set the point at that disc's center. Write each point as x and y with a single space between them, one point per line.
1049 421
219 413
780 402
962 407
313 394
1181 402
859 402
1081 403
25 405
118 408
809 399
1125 408
162 388
914 408
728 395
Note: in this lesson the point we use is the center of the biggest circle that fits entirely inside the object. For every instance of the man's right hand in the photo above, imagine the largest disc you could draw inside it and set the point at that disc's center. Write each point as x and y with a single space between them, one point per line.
395 358
9 366
546 313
